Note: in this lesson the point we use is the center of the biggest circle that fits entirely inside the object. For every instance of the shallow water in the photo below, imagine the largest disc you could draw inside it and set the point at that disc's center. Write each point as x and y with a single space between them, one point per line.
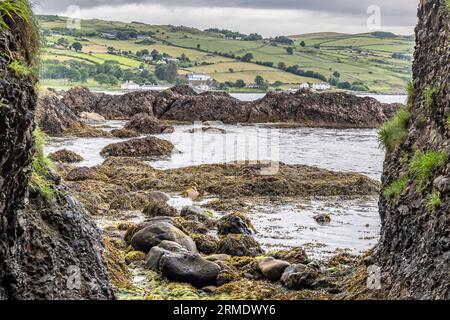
354 223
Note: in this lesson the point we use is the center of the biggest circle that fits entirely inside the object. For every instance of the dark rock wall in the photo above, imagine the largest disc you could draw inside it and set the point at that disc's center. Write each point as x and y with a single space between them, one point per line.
48 249
414 250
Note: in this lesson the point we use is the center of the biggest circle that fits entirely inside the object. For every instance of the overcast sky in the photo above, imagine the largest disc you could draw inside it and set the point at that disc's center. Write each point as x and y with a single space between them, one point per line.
267 17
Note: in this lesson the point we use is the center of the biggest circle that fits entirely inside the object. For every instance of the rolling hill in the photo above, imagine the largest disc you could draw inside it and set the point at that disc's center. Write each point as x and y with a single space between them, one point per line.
376 62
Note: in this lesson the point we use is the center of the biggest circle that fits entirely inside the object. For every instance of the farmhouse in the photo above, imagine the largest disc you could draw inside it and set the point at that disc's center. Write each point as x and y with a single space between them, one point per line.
321 86
198 77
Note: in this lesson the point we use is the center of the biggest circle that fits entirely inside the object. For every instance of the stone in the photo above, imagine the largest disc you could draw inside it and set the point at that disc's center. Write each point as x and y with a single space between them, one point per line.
124 133
191 193
196 214
156 208
92 117
189 268
239 245
158 196
150 147
272 268
153 259
294 256
143 123
299 276
65 156
322 218
206 244
152 236
235 223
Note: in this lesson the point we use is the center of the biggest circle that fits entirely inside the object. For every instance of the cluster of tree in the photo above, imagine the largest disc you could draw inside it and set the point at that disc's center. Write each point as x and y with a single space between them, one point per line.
295 69
236 35
108 72
282 40
167 72
259 81
355 86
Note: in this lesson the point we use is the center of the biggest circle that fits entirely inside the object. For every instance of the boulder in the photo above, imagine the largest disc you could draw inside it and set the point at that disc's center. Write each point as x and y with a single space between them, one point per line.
153 259
322 218
80 174
156 208
65 156
293 256
299 276
152 235
194 213
143 123
124 133
239 245
234 223
151 147
92 117
189 268
158 196
272 268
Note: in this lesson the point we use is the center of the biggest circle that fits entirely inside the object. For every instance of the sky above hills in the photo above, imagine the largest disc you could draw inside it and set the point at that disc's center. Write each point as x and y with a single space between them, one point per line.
267 17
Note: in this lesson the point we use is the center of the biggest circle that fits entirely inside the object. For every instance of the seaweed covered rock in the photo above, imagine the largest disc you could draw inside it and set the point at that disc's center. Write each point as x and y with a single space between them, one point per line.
150 147
153 259
143 123
124 133
239 245
65 156
205 243
157 208
152 235
234 223
299 276
294 256
189 268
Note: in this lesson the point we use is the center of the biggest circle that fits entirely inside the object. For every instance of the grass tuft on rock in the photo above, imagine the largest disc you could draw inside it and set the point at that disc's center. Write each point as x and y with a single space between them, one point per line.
434 202
428 97
41 165
396 188
20 69
410 92
393 132
424 164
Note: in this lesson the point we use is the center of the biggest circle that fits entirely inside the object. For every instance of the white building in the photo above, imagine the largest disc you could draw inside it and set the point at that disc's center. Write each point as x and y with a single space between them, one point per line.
304 86
130 85
147 58
321 86
198 77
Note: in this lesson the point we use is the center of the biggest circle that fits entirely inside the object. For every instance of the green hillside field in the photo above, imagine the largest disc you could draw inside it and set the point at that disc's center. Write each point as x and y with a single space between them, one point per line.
379 61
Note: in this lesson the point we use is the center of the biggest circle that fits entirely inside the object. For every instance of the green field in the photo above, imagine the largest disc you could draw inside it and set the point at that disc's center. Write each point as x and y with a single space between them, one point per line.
366 58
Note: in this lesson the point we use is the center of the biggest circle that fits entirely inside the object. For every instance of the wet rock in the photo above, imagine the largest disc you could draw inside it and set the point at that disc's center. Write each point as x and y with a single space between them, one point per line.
322 218
272 269
218 257
80 174
210 130
191 226
206 244
158 196
157 208
234 223
151 147
189 268
65 156
299 276
143 123
124 133
153 259
191 193
293 256
239 245
194 213
152 235
82 130
92 117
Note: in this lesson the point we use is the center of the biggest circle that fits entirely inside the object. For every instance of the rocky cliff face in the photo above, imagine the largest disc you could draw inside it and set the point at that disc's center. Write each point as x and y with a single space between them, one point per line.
414 251
49 249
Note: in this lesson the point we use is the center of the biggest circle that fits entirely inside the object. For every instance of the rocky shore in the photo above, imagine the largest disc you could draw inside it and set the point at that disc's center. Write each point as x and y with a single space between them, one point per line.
147 111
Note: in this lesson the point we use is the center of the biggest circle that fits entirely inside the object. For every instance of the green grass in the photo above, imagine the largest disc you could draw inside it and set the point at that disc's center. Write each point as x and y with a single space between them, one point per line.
362 57
410 92
396 188
13 9
447 4
393 132
41 165
428 97
20 69
434 202
424 164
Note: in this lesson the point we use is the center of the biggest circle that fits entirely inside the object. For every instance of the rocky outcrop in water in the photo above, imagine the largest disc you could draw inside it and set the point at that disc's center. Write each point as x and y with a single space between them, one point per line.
414 250
305 108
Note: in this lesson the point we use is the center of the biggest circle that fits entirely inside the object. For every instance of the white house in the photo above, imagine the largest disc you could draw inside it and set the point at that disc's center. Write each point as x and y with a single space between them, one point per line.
198 77
321 86
147 58
130 85
304 86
